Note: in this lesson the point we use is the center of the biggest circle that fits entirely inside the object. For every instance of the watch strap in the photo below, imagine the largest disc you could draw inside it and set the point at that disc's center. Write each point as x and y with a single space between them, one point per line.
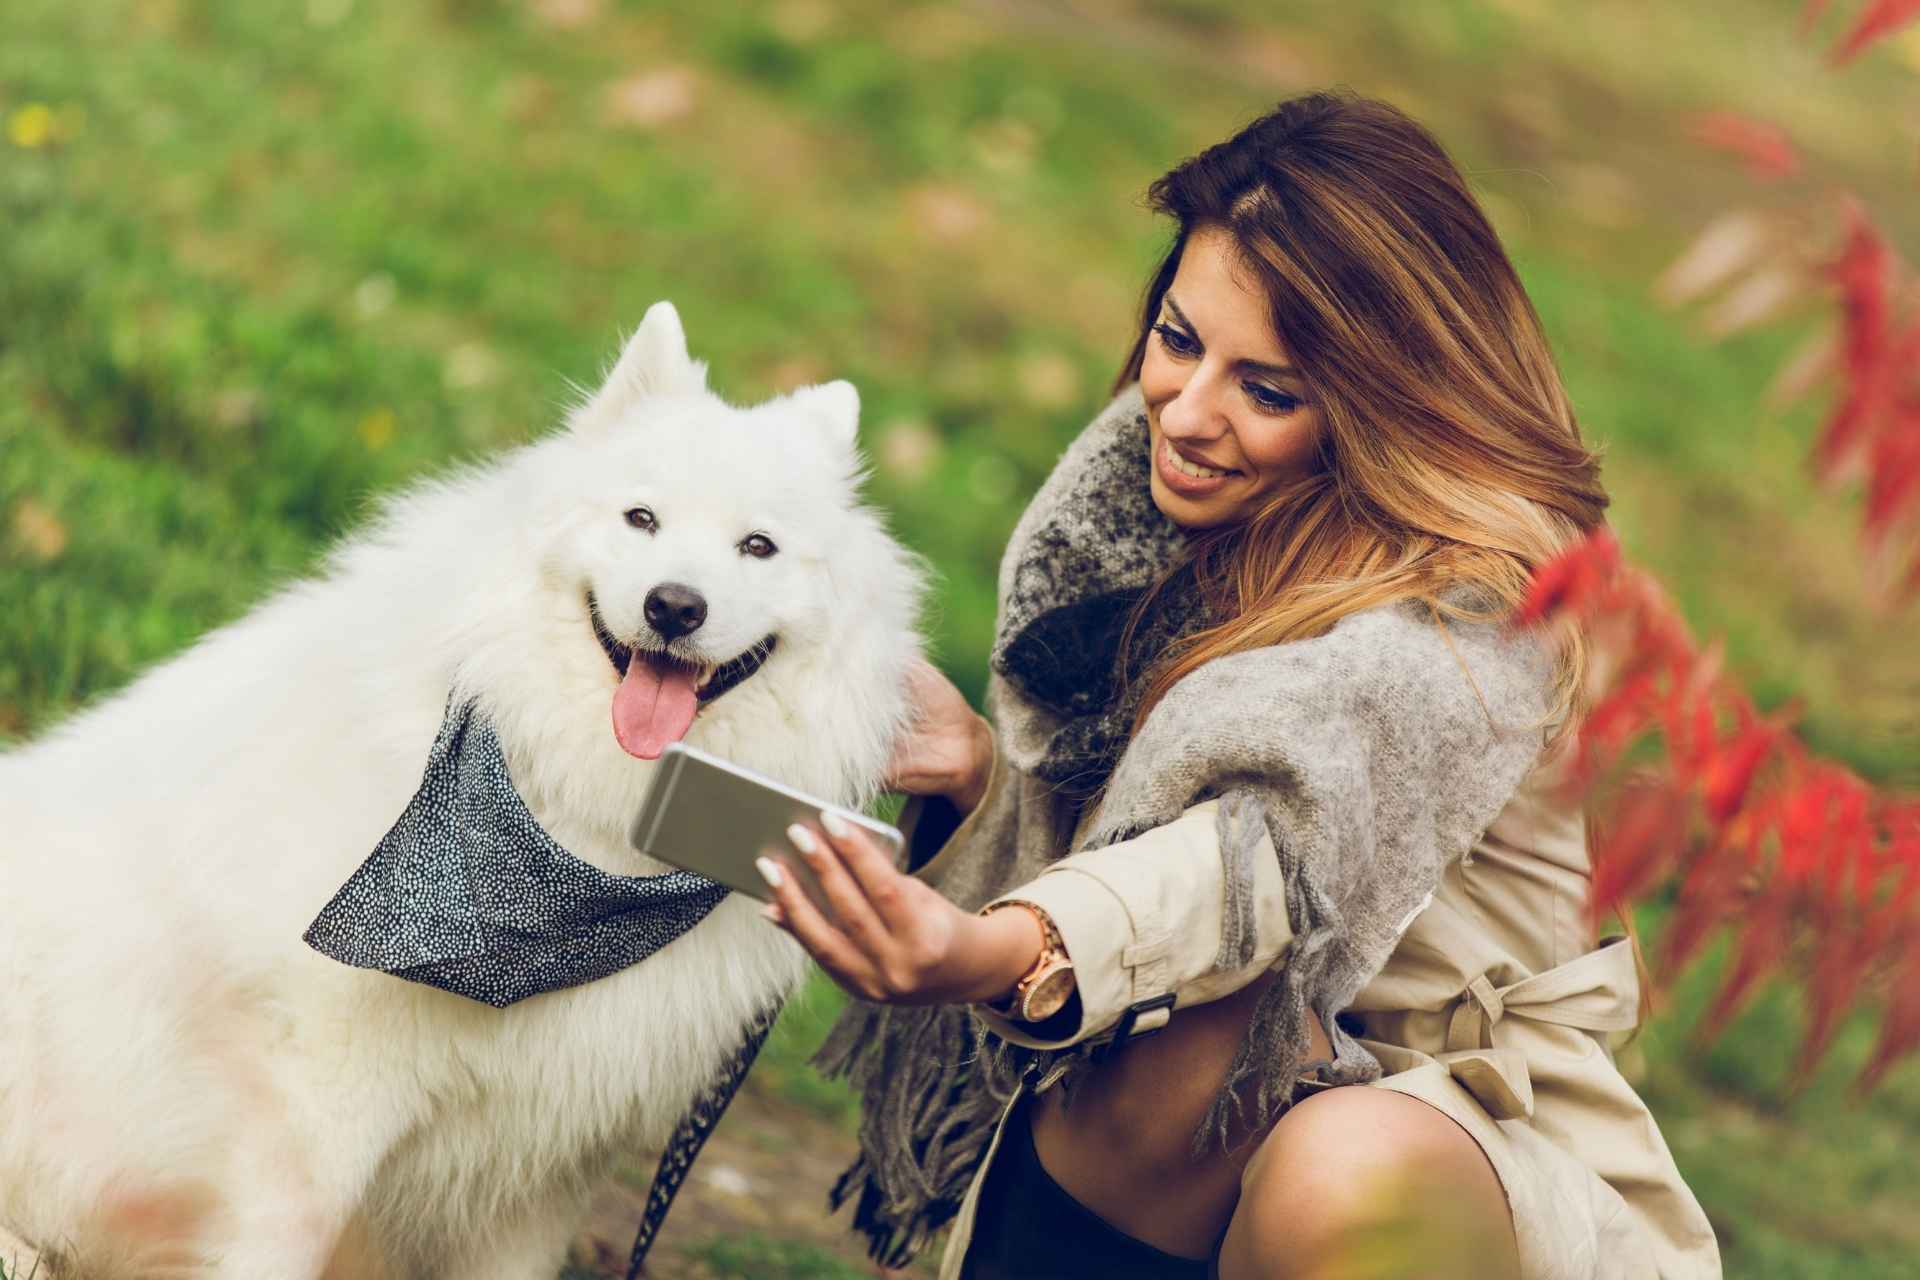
1046 986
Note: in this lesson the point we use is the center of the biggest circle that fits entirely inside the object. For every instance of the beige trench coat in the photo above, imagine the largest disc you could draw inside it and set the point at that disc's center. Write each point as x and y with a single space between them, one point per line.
1495 1008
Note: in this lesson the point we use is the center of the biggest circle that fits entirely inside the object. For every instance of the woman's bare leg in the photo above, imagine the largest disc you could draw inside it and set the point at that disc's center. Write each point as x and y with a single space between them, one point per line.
1356 1183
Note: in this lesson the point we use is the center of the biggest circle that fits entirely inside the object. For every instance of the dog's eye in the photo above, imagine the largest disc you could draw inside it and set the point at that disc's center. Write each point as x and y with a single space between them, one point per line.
758 545
642 518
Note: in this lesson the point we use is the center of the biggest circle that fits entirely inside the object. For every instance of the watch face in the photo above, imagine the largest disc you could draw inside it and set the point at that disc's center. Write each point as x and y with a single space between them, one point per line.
1048 995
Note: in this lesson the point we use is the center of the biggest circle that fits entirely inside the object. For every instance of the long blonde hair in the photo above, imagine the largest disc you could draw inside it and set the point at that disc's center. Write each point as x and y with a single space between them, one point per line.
1450 454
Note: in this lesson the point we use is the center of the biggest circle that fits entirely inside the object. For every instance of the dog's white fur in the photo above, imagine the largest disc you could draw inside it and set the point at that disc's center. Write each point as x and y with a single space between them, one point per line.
186 1088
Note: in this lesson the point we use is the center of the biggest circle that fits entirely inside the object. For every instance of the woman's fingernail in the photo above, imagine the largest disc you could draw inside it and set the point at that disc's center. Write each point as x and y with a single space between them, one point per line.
802 838
837 827
770 913
770 872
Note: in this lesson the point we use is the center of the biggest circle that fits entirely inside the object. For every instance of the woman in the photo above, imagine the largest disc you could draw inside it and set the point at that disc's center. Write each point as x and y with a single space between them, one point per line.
1284 937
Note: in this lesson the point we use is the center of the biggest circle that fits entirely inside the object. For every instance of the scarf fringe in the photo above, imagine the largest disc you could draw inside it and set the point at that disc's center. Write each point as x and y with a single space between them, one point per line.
1272 1052
922 1132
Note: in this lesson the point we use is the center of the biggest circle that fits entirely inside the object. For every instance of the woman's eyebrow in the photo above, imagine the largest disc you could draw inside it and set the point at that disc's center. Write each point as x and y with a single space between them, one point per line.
1245 366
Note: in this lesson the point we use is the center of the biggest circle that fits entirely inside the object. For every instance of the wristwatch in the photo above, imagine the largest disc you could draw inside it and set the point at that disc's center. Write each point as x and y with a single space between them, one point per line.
1043 989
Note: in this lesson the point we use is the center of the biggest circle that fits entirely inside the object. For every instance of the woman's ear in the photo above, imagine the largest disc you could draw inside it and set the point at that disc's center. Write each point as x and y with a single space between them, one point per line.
653 363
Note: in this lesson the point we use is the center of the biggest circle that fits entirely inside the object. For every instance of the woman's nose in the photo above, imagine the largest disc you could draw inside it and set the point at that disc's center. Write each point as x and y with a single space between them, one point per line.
1191 414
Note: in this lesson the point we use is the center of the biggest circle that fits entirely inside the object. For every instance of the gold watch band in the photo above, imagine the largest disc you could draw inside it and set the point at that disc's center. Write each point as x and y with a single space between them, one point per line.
1044 989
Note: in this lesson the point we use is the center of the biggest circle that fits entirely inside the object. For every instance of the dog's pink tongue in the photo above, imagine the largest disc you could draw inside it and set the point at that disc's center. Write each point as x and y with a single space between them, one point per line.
652 707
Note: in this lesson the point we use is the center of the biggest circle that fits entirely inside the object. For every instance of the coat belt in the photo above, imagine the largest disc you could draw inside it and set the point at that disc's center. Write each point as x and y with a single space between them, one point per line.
1599 991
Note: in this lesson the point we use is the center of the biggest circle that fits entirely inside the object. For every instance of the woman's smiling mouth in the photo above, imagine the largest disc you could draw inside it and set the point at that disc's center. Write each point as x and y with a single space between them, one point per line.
1186 477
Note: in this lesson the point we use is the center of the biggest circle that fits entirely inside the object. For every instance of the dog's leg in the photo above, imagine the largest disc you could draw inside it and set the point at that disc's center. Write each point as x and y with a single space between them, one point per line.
530 1246
16 1259
284 1218
280 1241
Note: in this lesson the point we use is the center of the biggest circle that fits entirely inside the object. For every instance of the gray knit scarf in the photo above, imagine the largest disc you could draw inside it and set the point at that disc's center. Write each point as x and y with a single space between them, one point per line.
1367 755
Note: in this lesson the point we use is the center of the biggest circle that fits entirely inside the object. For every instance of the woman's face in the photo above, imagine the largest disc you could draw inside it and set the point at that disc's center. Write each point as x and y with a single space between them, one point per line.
1228 415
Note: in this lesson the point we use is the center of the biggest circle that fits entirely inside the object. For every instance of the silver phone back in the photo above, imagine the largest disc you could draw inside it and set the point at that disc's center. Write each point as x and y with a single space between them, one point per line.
715 817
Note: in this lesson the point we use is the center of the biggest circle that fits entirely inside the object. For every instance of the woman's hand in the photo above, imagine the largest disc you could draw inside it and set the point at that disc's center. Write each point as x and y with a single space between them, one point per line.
893 939
949 750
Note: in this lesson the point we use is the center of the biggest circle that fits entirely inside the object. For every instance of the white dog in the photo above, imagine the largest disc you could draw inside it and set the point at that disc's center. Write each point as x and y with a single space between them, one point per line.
186 1088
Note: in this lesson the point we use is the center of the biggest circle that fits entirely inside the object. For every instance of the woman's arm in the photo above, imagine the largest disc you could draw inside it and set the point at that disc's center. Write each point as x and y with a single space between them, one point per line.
1140 919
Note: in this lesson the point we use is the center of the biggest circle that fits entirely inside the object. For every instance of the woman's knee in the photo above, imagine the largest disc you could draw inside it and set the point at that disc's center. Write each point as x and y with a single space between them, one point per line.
1360 1181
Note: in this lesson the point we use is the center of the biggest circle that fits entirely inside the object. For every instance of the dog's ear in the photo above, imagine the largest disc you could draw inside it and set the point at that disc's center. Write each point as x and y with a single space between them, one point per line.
834 407
653 363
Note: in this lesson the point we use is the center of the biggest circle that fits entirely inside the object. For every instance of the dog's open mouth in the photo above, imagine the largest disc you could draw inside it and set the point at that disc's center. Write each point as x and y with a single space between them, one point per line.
660 693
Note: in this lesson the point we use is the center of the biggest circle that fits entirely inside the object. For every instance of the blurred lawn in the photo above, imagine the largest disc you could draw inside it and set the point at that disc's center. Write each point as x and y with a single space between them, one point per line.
260 260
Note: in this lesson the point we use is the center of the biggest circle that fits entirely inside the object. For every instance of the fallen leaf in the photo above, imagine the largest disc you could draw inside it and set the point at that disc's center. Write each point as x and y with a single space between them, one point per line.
801 21
652 98
470 365
993 479
1048 380
796 371
949 213
235 408
374 294
910 449
376 429
39 530
566 15
31 126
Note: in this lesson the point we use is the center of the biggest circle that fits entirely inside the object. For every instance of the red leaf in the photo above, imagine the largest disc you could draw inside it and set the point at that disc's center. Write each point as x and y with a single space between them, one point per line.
1765 147
1763 945
1610 727
1893 474
1571 580
1863 275
1839 973
1900 1022
1880 19
1715 892
1649 827
1729 771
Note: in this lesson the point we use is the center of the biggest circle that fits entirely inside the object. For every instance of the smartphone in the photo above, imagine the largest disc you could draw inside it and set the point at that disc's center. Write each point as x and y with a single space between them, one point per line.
709 815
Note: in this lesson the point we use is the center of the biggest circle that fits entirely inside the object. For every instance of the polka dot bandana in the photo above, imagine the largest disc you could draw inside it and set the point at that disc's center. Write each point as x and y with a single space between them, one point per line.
467 893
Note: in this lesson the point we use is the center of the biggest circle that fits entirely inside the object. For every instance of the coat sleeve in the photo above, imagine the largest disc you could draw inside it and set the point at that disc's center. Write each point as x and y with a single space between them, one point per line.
1143 918
1140 918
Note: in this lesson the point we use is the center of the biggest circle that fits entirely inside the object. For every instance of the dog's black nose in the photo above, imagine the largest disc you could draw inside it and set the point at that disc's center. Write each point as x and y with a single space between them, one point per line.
674 610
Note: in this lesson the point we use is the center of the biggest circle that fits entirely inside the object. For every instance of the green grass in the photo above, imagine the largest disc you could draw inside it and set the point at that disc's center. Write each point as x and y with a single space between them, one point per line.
280 256
754 1257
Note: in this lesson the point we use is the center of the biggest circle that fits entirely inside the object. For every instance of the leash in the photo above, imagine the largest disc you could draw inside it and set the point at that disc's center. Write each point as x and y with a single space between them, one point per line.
691 1134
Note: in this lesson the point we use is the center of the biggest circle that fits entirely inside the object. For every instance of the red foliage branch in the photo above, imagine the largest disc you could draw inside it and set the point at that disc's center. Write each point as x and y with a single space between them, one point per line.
1871 429
1768 151
1814 873
1880 19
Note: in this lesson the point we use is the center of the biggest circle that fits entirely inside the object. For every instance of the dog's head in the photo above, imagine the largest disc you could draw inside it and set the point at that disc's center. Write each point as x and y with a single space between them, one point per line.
712 548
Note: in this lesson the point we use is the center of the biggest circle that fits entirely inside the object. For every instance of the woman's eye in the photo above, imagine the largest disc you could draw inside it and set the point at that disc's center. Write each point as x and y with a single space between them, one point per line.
758 545
642 518
1175 341
1267 400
